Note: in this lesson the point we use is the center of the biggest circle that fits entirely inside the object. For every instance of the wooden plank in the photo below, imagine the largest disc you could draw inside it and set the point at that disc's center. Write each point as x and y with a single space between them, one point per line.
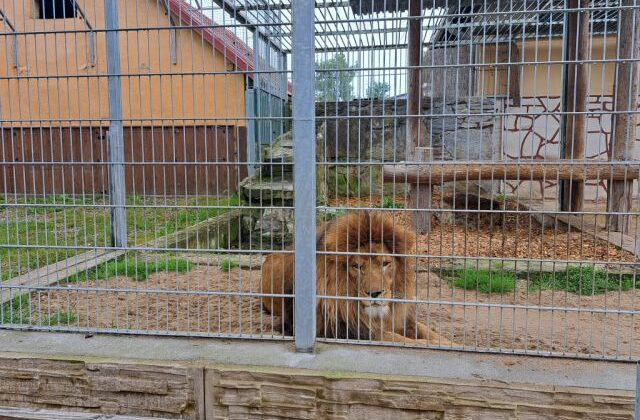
575 100
447 171
72 160
11 413
618 239
56 272
625 120
192 233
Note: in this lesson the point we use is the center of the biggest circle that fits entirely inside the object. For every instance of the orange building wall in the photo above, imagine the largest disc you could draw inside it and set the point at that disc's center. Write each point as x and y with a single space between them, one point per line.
543 79
155 92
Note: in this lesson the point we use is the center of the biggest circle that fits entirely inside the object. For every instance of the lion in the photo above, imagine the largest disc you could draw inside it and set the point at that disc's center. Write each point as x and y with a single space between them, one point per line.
375 270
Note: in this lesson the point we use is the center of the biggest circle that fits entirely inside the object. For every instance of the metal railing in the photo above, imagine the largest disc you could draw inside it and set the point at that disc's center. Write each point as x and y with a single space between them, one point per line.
454 175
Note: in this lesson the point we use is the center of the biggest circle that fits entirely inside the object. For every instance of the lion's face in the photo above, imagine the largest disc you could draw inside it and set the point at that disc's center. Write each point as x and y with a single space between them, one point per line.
371 279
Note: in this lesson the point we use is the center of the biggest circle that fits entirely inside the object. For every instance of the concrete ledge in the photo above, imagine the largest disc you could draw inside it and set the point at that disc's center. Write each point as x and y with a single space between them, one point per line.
215 379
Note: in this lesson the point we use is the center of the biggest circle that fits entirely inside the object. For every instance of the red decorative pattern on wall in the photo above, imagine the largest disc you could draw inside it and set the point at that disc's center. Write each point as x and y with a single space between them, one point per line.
532 131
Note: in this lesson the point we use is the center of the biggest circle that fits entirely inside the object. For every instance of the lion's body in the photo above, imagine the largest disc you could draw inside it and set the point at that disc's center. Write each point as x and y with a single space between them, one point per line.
360 256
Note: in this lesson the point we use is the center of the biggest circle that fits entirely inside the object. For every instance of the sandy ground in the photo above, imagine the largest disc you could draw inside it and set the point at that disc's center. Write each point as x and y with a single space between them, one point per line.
540 322
168 302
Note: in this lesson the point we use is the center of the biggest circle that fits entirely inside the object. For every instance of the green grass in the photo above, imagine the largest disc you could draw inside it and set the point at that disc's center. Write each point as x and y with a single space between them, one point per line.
39 223
132 267
495 281
583 280
388 203
16 311
60 318
227 265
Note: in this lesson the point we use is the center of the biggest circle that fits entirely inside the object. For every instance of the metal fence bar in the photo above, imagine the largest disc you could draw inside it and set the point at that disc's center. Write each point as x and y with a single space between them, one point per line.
304 175
7 22
637 411
116 134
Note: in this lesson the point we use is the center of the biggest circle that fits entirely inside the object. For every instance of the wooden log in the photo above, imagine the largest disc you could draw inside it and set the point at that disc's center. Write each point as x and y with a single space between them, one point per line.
625 120
414 87
575 100
420 195
439 172
514 74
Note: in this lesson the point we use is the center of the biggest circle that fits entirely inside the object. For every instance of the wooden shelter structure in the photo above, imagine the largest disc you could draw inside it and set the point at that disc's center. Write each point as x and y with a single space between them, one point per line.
572 170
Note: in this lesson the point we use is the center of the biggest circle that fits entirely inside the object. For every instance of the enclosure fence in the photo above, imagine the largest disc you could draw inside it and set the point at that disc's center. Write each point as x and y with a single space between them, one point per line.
418 173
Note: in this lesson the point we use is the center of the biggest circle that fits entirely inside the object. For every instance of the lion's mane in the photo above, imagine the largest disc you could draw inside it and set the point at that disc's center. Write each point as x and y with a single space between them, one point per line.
341 318
353 233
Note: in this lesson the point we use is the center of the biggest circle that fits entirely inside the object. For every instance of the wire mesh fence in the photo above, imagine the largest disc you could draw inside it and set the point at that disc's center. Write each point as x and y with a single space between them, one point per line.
431 173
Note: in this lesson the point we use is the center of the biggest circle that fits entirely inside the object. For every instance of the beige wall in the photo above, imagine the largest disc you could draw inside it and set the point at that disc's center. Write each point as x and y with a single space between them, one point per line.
156 89
543 79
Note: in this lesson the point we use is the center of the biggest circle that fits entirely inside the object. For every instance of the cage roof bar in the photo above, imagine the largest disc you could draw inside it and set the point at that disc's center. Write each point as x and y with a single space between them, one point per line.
234 11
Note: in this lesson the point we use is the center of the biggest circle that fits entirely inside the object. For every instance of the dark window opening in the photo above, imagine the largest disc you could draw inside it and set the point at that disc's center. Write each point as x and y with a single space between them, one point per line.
56 9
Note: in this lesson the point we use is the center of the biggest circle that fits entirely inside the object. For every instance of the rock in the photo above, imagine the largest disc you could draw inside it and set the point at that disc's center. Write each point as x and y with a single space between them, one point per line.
267 191
277 158
275 225
353 180
464 214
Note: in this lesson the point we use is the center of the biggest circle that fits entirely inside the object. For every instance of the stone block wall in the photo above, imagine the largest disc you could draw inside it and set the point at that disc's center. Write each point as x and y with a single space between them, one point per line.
205 391
372 131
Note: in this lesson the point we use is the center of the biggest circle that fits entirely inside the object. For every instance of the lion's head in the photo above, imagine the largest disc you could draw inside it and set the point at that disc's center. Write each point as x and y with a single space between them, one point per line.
361 263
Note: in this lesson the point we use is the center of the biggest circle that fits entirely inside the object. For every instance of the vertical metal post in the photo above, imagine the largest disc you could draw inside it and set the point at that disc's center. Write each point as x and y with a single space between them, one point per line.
15 51
637 411
7 22
304 163
252 139
115 137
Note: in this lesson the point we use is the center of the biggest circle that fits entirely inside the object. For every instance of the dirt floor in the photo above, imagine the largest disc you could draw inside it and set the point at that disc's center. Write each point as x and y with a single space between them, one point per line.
540 321
571 328
510 234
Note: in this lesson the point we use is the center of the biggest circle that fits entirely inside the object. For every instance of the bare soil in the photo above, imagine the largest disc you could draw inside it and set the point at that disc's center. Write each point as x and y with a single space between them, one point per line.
509 234
538 322
546 321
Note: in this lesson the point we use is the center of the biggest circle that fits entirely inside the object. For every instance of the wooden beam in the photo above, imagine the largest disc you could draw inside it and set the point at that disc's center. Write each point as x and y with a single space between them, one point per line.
55 272
514 74
439 172
577 221
414 85
575 99
419 195
625 120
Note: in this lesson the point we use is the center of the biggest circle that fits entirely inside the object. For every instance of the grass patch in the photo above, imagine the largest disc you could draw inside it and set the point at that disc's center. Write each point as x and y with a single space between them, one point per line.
60 318
584 280
132 267
389 203
227 265
51 226
16 311
494 281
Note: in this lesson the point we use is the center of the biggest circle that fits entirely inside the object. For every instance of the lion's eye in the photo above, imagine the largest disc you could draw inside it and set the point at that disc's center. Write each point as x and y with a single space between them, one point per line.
386 263
355 266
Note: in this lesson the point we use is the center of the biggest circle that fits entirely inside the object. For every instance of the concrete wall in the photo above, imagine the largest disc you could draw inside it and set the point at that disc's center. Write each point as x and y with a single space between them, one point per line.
77 93
217 379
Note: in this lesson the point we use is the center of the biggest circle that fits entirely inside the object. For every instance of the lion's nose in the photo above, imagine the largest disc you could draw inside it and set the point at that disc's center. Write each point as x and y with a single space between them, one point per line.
376 293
